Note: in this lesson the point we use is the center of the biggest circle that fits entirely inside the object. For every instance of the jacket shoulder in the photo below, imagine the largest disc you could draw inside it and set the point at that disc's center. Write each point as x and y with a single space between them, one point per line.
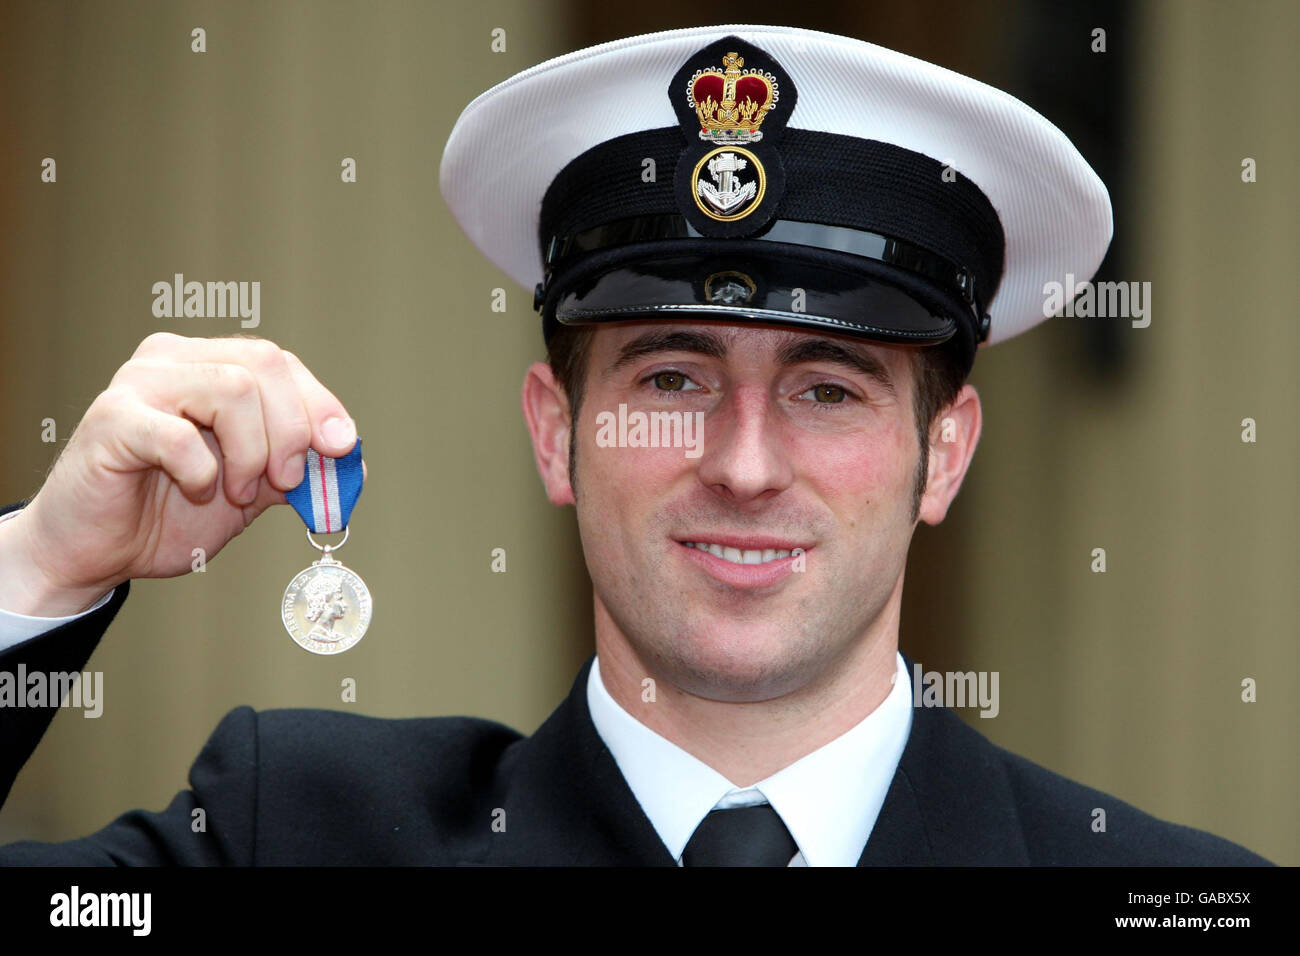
1061 826
343 737
335 787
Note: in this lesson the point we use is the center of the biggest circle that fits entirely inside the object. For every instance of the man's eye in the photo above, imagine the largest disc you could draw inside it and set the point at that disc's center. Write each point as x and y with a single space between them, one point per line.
670 381
826 394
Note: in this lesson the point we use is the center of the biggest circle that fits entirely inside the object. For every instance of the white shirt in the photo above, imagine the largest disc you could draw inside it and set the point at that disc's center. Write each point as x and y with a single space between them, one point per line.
829 800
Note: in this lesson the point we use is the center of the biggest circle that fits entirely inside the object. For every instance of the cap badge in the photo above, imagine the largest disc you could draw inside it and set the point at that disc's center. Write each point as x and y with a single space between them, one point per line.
730 176
731 102
735 186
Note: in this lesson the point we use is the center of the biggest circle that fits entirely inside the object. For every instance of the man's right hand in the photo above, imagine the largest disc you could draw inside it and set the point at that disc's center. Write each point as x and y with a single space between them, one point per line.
190 442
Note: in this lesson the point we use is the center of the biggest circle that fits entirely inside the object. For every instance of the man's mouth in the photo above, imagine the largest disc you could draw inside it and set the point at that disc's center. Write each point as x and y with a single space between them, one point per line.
738 555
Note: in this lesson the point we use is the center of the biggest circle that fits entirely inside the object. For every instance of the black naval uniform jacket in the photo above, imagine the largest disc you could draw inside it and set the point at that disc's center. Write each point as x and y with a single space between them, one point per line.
285 787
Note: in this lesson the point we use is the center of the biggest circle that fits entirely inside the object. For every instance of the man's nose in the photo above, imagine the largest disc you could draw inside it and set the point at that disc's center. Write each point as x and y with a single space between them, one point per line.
743 457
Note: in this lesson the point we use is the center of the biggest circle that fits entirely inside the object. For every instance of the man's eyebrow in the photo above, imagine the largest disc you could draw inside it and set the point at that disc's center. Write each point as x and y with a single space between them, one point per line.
824 350
668 340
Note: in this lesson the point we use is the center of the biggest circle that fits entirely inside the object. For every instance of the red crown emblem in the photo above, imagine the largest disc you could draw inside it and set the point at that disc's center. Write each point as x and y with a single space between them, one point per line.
731 102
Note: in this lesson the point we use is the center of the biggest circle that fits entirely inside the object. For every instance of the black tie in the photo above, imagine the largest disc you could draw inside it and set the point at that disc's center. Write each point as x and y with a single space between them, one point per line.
744 836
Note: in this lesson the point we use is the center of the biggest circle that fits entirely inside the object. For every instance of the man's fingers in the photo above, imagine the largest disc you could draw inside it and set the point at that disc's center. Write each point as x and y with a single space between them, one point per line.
333 431
298 409
289 427
267 495
224 397
173 444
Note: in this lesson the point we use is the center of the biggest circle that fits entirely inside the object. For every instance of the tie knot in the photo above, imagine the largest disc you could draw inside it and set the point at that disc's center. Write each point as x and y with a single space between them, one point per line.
743 836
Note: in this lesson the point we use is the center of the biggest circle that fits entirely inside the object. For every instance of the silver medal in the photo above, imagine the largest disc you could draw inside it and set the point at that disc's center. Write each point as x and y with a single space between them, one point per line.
326 607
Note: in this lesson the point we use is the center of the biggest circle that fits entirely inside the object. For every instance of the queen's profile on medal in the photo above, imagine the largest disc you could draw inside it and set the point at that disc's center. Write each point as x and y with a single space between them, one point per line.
325 605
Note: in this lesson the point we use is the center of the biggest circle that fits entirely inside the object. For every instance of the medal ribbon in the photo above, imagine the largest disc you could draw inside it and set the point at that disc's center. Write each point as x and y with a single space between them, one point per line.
329 490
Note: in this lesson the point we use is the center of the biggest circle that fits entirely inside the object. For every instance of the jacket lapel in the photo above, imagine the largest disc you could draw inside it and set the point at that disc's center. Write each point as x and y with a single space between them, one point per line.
950 802
565 800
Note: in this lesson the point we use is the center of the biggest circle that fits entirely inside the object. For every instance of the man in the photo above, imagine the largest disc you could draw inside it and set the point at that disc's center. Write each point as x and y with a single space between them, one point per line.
790 241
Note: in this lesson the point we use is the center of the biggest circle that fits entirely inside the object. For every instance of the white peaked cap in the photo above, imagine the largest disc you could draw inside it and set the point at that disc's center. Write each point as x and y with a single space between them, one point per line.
511 143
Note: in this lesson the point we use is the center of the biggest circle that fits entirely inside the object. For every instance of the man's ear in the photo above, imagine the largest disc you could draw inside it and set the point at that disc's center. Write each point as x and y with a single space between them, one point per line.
953 437
546 410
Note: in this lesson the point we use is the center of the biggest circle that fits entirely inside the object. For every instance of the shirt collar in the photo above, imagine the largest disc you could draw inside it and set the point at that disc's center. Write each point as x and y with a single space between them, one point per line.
829 799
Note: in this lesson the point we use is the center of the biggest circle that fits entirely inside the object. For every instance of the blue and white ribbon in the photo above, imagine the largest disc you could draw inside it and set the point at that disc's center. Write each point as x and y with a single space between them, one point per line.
329 490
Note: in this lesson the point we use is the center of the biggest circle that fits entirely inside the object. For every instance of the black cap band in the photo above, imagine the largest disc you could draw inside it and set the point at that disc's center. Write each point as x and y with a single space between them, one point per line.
883 212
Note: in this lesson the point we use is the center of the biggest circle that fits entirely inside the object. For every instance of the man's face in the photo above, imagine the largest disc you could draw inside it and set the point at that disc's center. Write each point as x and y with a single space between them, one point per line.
809 442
